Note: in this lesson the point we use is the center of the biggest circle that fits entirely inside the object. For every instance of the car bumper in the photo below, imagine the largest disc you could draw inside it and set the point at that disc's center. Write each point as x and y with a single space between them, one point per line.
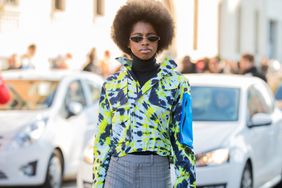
221 176
24 166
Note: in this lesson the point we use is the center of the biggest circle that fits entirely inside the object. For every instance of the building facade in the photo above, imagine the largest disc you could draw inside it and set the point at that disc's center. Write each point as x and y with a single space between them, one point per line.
204 28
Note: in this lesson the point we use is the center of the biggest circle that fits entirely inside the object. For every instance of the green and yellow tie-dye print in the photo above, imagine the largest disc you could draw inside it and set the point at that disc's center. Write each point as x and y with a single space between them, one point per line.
156 117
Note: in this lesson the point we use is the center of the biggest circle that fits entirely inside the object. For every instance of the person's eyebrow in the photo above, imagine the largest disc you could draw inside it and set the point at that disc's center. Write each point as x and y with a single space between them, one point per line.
146 34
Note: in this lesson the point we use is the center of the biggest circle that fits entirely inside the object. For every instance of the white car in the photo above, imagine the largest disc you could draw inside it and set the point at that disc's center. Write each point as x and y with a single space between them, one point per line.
46 125
237 133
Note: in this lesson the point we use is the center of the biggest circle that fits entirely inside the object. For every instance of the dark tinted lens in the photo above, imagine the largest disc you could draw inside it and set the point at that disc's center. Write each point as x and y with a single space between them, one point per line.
136 38
153 38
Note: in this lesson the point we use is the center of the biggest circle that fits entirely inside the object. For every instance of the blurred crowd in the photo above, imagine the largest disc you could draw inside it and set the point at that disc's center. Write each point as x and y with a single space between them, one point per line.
28 60
245 65
266 69
106 65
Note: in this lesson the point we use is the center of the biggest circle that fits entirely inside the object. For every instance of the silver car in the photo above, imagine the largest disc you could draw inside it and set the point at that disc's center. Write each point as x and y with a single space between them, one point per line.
45 125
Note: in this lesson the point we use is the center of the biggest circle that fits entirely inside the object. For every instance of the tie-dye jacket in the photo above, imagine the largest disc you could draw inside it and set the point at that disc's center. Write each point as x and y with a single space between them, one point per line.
156 117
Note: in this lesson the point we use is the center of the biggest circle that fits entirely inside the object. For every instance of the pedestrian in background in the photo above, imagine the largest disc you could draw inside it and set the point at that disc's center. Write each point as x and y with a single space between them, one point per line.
214 65
105 63
91 62
27 59
247 66
145 114
14 62
187 65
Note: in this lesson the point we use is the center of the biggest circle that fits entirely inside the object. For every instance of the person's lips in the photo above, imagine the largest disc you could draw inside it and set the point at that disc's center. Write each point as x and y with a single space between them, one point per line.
145 50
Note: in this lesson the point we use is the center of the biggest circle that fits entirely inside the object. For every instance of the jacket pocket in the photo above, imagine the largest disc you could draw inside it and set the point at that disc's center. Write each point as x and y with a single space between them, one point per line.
163 95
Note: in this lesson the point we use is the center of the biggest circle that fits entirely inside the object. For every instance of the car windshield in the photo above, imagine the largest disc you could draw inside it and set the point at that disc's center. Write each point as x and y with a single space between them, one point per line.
215 103
30 94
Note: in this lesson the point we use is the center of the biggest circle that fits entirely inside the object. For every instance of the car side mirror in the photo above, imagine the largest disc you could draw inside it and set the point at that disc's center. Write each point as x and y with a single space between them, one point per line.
260 119
74 108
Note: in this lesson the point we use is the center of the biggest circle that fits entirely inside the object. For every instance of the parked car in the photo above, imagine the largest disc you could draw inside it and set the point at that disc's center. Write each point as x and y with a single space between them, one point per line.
45 126
240 146
237 132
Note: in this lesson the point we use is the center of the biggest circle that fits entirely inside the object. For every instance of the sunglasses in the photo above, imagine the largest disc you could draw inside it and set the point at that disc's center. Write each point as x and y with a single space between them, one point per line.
152 38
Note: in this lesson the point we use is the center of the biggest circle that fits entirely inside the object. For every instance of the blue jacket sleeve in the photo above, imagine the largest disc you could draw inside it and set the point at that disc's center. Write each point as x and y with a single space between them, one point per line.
181 136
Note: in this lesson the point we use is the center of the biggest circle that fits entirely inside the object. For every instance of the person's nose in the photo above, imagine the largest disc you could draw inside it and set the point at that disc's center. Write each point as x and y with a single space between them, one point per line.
145 41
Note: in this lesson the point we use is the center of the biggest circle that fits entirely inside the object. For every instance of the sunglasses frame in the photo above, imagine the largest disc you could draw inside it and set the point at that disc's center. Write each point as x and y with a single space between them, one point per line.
150 38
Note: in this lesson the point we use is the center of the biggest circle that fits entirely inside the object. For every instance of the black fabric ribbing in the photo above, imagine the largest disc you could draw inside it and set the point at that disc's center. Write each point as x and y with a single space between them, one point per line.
144 70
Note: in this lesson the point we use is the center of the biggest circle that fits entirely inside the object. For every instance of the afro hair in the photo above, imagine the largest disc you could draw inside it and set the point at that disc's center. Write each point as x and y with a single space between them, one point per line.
149 11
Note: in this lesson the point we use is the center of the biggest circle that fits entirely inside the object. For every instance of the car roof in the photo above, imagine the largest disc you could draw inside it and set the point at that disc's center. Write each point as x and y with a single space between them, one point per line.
222 80
47 74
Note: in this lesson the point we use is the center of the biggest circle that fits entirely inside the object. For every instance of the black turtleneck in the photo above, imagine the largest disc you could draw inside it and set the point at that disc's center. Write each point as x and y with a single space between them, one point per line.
144 70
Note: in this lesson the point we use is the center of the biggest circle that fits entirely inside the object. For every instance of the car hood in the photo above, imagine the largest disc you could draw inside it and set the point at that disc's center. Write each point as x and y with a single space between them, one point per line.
12 122
212 135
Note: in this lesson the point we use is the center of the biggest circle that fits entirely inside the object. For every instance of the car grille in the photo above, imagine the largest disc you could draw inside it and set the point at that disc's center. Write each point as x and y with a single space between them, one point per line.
3 175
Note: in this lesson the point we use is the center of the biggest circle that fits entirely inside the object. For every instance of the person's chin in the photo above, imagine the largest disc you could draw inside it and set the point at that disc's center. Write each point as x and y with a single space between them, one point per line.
146 56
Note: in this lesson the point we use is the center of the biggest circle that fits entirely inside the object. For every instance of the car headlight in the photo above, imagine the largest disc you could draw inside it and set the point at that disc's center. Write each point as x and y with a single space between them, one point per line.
29 134
88 154
215 157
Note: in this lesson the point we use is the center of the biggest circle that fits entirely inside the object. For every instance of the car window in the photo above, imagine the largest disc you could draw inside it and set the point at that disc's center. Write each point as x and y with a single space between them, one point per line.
94 91
29 94
215 103
267 96
254 104
75 93
259 100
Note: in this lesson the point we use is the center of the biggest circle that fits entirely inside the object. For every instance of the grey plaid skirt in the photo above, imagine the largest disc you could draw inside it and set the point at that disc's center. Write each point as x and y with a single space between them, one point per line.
138 171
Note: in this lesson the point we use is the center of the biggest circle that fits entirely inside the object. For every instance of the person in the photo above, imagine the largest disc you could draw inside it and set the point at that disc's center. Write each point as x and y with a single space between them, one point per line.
13 62
145 116
214 65
105 63
68 62
91 62
27 61
4 92
201 65
264 65
59 63
187 65
247 66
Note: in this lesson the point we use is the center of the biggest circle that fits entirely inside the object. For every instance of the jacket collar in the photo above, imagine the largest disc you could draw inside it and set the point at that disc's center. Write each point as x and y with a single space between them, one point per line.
167 66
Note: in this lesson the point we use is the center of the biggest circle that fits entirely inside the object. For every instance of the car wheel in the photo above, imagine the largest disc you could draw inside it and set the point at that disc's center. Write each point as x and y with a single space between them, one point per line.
54 173
247 177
